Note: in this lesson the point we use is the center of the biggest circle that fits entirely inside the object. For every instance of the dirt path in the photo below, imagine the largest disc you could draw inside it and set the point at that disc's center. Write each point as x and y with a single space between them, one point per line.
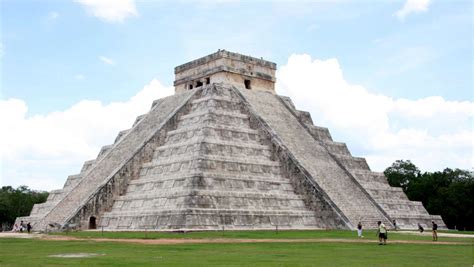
428 233
170 241
165 241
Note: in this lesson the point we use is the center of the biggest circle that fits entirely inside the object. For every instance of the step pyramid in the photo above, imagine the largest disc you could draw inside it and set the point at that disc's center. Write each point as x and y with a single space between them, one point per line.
226 152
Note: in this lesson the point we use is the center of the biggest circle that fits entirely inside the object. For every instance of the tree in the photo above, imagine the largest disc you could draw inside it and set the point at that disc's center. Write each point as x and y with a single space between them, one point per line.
401 173
18 202
447 193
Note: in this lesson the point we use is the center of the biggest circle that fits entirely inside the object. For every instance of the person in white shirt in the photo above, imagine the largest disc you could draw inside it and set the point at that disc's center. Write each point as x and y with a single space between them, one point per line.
382 233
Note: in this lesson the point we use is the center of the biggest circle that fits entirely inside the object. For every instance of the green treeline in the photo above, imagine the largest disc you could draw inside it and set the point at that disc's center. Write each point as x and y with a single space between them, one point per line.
17 202
449 193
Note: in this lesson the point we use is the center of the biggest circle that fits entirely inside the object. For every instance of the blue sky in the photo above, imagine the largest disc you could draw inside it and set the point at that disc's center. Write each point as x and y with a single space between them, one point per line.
58 54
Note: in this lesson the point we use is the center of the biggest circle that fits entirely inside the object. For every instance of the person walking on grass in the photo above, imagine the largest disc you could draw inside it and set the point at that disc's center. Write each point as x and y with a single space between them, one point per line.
359 230
435 231
382 233
420 228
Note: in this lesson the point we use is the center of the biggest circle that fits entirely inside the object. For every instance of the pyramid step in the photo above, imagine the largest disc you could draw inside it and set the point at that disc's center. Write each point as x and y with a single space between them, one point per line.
87 166
210 111
337 148
352 163
199 182
218 131
207 162
369 176
104 150
401 202
215 116
54 193
215 102
138 119
214 141
198 157
213 146
120 135
72 180
212 219
387 194
320 133
208 201
164 211
214 98
179 192
380 186
404 208
288 102
221 175
217 177
39 209
305 117
213 126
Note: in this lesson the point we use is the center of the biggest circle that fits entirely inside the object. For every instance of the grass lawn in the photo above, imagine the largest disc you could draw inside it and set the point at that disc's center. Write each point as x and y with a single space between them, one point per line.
287 234
37 252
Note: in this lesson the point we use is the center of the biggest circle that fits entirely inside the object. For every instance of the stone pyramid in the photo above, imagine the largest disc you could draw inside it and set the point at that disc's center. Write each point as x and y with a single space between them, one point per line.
226 151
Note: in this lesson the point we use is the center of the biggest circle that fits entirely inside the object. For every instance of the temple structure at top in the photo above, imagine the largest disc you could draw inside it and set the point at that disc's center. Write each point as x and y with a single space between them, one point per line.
226 67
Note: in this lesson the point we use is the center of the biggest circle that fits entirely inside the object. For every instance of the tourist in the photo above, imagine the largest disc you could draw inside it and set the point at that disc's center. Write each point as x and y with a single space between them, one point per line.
22 226
15 228
435 231
382 233
394 225
28 227
359 230
420 228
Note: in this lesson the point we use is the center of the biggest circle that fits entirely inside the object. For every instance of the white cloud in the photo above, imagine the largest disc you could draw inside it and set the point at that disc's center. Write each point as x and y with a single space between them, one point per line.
412 6
432 132
41 150
110 10
107 60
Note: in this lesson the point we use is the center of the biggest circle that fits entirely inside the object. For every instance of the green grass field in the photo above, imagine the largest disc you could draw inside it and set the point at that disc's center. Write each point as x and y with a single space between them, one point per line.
37 252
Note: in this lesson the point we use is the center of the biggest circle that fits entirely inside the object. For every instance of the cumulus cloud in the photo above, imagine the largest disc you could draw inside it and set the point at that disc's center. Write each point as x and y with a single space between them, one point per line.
432 132
41 150
107 60
110 10
412 6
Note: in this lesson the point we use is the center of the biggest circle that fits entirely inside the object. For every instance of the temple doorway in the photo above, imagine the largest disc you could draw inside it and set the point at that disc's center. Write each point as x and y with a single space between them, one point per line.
92 223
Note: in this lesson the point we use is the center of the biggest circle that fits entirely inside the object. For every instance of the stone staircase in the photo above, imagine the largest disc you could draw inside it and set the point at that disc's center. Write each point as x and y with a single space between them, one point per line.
288 128
392 200
68 203
212 171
